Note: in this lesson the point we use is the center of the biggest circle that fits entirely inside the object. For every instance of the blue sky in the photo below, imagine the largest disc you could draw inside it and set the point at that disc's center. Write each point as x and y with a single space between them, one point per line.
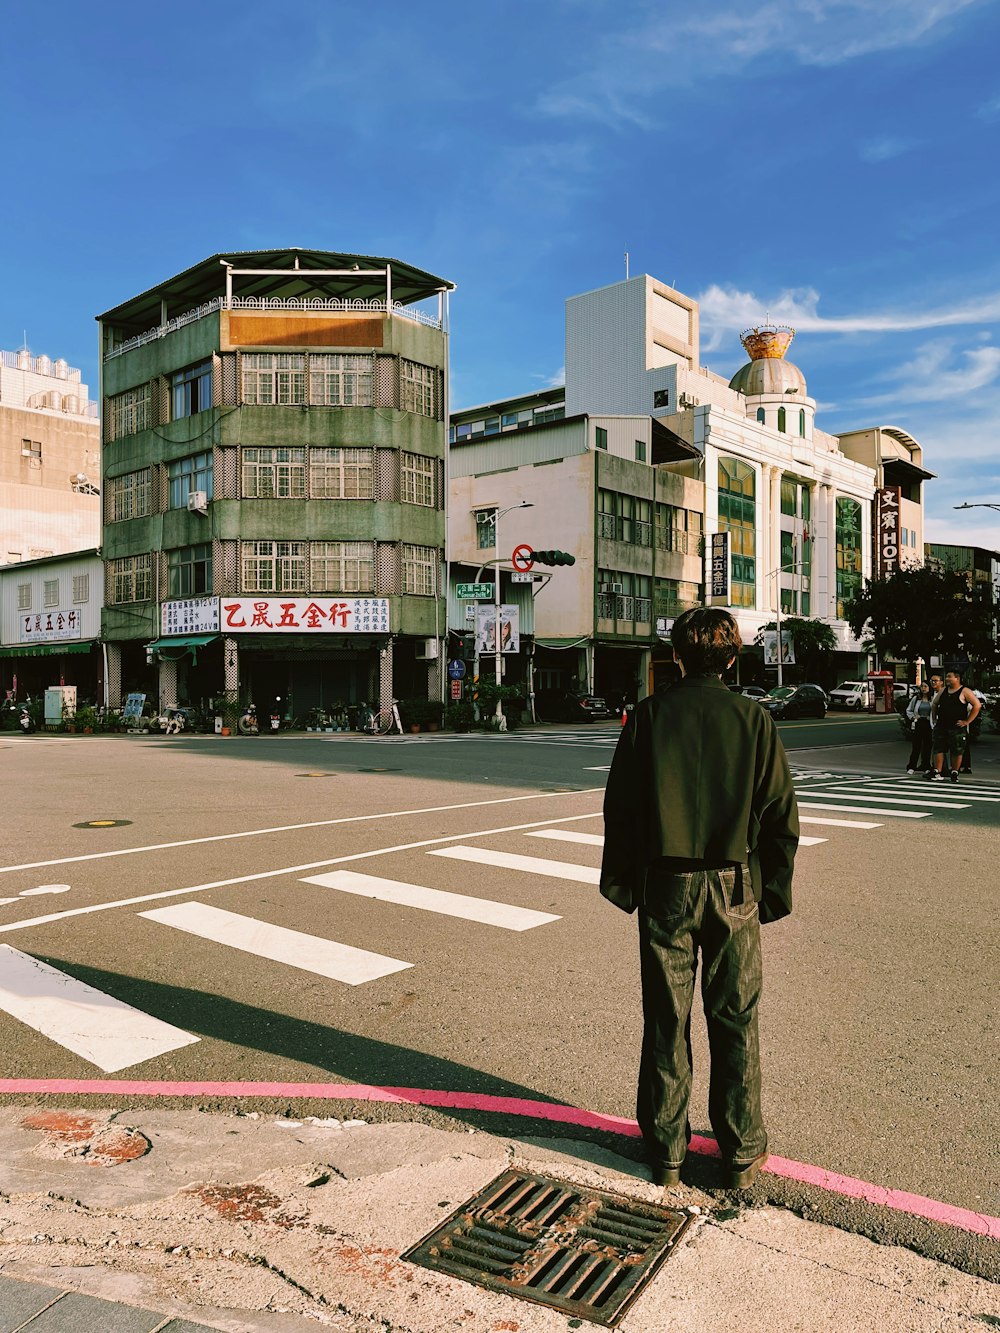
832 162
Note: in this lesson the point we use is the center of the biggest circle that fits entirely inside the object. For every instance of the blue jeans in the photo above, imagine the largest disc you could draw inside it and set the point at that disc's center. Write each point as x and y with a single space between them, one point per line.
712 912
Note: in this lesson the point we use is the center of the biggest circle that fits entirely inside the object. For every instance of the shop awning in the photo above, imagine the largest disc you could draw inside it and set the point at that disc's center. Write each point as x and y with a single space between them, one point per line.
47 649
181 642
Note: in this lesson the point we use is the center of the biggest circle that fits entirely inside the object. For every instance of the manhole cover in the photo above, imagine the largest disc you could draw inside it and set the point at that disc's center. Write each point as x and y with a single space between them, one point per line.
315 775
585 1252
380 770
103 823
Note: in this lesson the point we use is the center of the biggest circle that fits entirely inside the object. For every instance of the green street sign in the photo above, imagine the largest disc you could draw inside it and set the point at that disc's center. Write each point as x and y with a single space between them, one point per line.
474 591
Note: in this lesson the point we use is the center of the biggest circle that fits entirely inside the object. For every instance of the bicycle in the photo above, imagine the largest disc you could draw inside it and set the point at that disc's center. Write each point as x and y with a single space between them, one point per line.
387 720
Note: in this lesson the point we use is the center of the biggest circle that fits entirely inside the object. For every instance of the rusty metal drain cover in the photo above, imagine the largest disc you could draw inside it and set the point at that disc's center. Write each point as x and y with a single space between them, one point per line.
584 1252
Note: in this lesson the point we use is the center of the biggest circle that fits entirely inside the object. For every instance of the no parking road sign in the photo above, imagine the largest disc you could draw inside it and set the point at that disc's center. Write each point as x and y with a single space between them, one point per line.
521 558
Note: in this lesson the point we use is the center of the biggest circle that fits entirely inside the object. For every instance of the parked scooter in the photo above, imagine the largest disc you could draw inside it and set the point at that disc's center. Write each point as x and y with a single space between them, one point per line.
248 721
25 721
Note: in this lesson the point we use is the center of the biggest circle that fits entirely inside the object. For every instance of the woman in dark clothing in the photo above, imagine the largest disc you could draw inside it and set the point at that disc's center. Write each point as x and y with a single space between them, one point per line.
919 712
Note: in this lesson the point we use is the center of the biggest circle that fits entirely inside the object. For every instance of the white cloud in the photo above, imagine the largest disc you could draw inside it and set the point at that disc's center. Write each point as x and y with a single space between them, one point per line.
638 60
555 381
990 110
886 148
932 374
727 310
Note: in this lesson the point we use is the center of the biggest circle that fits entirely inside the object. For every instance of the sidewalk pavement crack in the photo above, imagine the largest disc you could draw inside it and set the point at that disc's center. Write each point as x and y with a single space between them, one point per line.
844 1272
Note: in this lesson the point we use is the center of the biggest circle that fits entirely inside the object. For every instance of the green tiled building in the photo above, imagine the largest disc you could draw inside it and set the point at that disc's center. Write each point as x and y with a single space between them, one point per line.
274 482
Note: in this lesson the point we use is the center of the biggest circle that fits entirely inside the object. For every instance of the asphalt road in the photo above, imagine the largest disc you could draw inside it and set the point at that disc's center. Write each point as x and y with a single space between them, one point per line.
878 1026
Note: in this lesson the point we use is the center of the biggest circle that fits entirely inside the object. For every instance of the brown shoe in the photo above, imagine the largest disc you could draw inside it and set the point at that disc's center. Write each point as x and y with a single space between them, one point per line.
665 1175
739 1175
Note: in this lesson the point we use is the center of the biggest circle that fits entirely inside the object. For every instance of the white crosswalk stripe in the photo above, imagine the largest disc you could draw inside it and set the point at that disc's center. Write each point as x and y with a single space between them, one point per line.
839 823
532 865
864 809
309 953
568 835
433 900
106 1032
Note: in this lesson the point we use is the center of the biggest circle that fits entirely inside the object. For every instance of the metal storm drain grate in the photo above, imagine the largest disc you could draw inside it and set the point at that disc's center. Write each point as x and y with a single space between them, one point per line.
582 1251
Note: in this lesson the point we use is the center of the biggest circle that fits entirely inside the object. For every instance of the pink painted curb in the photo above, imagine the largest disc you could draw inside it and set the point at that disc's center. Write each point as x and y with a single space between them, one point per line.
917 1205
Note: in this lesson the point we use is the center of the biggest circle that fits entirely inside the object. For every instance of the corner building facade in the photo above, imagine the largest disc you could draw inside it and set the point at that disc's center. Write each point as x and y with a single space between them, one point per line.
273 457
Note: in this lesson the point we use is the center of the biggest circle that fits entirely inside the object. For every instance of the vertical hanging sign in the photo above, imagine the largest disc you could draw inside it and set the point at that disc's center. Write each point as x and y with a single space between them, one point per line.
886 526
719 571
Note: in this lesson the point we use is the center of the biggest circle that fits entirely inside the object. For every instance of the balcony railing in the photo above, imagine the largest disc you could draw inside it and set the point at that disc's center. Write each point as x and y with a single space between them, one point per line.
268 303
633 531
675 539
623 606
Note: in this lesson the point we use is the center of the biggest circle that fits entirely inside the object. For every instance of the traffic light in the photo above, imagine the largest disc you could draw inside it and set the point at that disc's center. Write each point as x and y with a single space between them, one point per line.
468 647
553 558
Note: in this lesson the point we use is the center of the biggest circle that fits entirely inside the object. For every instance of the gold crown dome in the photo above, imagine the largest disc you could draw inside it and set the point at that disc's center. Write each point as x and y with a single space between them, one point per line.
767 371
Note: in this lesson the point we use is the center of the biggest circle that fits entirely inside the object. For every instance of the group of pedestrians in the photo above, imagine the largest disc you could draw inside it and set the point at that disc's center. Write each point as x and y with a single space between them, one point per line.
941 715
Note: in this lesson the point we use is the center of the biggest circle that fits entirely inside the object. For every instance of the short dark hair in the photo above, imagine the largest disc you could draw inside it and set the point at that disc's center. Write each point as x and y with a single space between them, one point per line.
955 671
706 639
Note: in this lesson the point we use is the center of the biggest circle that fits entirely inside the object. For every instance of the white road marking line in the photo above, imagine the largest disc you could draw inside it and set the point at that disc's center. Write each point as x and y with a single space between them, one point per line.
836 793
288 870
44 888
104 1031
483 910
532 865
862 810
294 828
309 953
568 835
931 789
598 768
840 823
811 842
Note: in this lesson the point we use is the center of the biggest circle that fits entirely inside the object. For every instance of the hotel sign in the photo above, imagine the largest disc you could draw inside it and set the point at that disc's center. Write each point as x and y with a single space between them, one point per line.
886 531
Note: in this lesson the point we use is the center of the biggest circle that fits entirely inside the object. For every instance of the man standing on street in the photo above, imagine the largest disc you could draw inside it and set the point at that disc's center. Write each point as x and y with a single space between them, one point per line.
954 710
701 829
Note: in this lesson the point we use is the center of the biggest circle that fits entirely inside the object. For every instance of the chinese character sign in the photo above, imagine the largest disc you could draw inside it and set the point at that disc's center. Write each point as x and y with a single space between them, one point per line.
193 615
717 575
50 625
486 629
304 615
886 534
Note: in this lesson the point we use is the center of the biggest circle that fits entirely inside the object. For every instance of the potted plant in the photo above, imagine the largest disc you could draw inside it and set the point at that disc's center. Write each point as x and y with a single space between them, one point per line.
86 719
489 692
461 715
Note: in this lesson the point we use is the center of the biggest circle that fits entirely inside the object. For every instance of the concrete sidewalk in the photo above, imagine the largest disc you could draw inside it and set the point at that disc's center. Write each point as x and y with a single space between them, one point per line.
183 1220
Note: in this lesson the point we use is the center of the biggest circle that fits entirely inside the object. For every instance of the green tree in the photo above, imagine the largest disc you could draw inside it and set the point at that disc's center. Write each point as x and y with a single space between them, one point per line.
922 612
814 642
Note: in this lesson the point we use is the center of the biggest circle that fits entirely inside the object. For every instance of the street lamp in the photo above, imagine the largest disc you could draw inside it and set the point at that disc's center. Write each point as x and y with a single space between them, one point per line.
498 642
979 504
782 569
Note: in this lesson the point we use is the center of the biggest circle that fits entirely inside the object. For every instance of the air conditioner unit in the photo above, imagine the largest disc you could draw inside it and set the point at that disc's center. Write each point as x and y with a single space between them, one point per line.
611 587
485 515
427 650
198 502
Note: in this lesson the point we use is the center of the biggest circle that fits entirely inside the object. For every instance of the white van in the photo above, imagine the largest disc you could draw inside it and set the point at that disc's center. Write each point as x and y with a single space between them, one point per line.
850 694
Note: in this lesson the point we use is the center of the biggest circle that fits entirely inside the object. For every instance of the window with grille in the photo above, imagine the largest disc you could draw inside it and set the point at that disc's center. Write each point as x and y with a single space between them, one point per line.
81 587
132 578
190 570
187 475
50 592
31 449
191 390
130 412
24 596
340 380
342 566
418 569
417 476
416 389
270 566
341 474
274 473
131 495
274 378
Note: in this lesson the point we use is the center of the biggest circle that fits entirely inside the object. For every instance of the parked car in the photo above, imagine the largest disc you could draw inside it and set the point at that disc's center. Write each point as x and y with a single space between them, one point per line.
850 694
751 691
572 706
788 701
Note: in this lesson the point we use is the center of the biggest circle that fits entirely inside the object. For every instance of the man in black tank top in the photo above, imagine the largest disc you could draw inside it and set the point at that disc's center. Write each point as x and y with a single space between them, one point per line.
953 711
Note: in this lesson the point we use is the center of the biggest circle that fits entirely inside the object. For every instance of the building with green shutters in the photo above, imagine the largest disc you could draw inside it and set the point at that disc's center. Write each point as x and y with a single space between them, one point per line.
274 483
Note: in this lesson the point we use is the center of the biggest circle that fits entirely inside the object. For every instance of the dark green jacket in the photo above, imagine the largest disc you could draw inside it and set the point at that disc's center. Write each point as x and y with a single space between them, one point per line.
700 773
